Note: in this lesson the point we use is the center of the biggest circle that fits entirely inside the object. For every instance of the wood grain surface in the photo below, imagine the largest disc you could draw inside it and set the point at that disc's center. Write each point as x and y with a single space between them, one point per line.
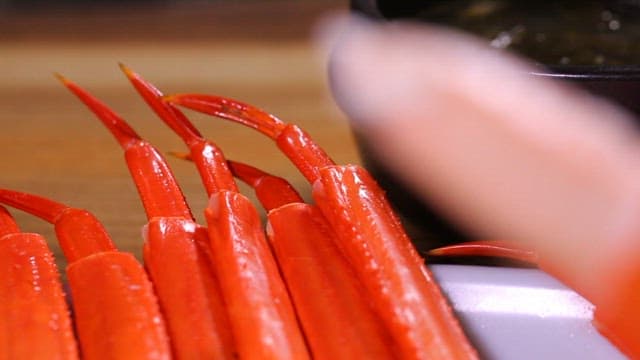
259 52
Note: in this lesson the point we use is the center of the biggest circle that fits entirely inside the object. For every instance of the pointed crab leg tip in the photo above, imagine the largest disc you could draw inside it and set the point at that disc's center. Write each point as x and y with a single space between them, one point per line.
463 249
436 252
172 99
181 155
127 70
62 78
487 248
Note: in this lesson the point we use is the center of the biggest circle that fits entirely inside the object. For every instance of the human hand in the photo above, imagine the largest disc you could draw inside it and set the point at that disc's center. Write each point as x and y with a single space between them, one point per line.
503 153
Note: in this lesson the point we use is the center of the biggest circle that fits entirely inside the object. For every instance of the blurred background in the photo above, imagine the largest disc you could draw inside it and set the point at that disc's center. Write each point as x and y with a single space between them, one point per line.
260 52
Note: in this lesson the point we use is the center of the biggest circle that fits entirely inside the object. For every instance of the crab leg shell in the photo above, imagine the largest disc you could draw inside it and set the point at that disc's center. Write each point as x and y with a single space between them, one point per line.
7 224
36 323
328 297
160 194
492 248
372 238
116 311
272 191
208 158
402 289
170 218
171 253
294 142
79 232
262 317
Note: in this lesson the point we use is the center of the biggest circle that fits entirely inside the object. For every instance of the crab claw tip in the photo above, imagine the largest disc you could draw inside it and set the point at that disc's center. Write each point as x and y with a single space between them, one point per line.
435 252
62 79
180 155
126 70
169 98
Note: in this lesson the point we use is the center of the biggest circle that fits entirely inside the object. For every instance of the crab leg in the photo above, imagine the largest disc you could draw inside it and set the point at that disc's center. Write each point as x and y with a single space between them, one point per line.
329 299
179 267
262 317
36 323
116 312
401 287
492 248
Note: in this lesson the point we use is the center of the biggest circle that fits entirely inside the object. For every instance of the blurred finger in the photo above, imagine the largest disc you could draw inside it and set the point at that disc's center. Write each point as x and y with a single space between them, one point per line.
503 153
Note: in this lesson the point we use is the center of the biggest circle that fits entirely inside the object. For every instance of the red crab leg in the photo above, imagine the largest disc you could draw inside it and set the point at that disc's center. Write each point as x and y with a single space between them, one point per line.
492 248
160 194
7 223
328 297
306 155
36 323
262 317
116 312
208 158
272 191
401 287
186 286
70 224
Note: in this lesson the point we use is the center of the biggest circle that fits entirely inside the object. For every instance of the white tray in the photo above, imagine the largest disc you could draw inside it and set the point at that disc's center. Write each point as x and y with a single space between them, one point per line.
511 313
